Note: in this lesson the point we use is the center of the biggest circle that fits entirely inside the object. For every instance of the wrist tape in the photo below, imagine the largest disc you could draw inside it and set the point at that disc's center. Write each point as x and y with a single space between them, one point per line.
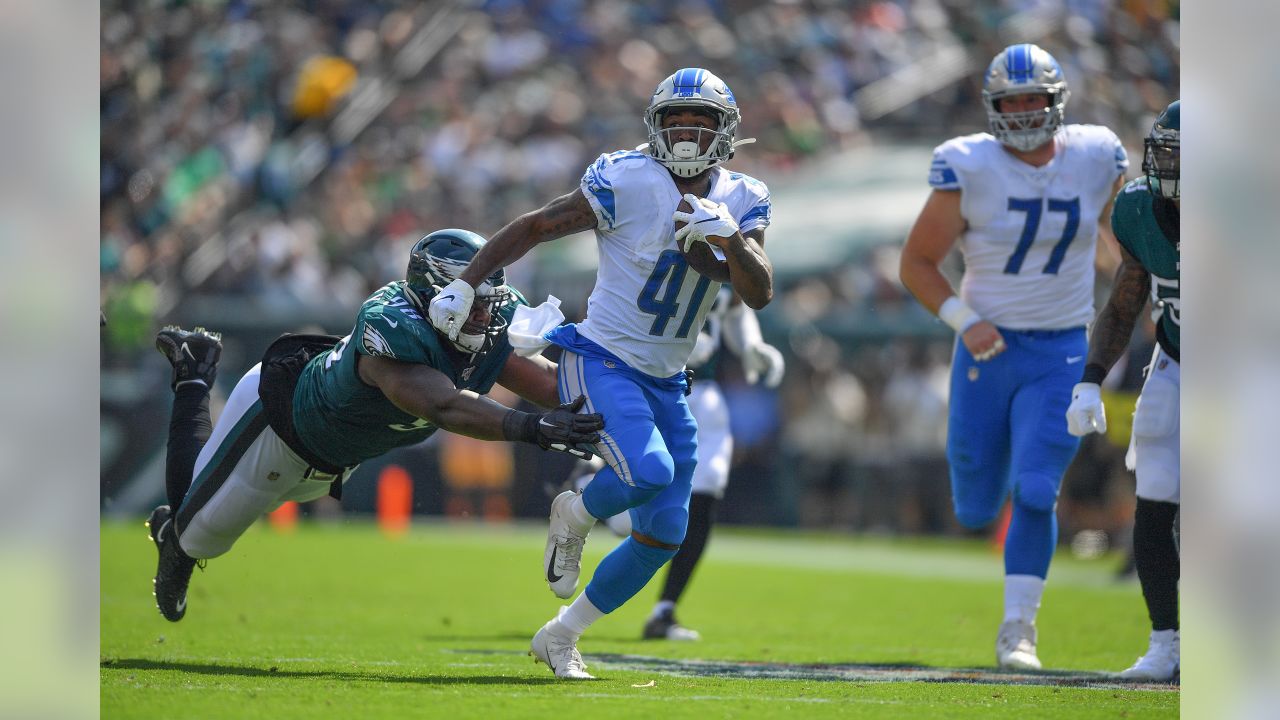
959 316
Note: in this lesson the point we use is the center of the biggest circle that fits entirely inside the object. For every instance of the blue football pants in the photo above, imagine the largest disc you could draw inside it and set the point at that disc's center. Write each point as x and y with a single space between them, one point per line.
650 445
1007 433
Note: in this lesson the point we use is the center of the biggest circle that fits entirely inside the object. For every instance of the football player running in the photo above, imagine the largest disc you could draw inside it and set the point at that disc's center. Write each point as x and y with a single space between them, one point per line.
1146 222
642 323
730 324
1026 202
299 422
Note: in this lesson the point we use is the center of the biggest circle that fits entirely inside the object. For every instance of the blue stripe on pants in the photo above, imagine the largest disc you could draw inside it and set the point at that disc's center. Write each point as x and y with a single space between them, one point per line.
652 437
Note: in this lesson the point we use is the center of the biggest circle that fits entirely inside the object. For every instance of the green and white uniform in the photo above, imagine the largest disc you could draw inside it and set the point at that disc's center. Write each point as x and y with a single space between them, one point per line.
1140 232
246 469
1149 230
344 421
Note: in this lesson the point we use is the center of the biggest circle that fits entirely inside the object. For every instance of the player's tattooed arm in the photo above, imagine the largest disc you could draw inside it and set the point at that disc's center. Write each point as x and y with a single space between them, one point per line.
1115 323
567 214
750 271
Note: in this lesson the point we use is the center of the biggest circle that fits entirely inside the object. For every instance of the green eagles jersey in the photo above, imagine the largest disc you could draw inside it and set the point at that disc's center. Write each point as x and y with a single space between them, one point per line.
344 421
1134 220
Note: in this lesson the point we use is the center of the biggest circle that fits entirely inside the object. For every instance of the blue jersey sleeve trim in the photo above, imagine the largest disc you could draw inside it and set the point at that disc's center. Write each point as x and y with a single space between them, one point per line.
600 191
943 178
1122 158
759 216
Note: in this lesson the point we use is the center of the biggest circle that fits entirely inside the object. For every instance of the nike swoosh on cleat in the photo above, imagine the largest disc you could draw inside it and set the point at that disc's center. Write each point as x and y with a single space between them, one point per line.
182 604
551 568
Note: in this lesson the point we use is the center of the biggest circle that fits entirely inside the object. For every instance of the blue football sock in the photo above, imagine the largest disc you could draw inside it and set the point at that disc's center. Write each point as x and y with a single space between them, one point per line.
1029 545
624 572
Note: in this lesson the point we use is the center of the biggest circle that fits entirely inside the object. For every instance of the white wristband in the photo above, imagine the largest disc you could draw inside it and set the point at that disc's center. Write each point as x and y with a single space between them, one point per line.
959 316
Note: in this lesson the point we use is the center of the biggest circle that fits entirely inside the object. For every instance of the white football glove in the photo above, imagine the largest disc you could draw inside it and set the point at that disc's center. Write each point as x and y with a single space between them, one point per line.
1086 413
763 358
451 306
703 349
707 218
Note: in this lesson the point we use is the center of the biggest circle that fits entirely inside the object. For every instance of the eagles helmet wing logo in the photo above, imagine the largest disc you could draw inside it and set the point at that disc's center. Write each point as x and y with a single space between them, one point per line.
375 343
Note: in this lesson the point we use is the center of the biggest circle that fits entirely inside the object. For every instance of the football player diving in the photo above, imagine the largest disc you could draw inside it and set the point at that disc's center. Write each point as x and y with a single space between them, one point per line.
300 421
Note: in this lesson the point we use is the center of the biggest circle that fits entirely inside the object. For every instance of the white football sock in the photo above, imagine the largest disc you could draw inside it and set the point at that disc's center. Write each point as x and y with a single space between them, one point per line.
581 520
1022 597
576 618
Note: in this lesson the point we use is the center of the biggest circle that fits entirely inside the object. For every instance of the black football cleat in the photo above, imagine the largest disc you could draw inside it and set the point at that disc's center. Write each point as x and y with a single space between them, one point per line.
666 627
173 572
193 354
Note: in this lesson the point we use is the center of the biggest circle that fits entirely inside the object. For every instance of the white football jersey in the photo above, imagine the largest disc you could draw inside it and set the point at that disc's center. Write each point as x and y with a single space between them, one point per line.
1032 232
648 305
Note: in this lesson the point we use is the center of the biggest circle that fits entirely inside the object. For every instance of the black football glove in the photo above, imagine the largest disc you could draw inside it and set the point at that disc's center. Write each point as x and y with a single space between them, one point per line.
562 429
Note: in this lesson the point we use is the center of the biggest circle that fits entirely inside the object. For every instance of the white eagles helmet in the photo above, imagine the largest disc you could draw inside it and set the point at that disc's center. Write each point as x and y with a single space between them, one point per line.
1018 70
693 87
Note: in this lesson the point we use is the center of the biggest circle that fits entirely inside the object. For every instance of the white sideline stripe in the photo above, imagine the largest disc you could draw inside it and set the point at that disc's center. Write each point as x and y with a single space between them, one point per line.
640 694
720 698
896 561
828 554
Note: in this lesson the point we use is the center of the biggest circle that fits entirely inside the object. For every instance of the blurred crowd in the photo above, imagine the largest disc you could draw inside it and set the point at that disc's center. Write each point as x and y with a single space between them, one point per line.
285 154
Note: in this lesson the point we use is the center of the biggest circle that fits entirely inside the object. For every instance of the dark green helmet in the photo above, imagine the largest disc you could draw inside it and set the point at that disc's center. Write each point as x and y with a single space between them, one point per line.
1160 158
437 260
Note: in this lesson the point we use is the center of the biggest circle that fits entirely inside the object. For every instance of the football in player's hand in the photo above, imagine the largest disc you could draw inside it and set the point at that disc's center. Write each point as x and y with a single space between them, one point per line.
700 256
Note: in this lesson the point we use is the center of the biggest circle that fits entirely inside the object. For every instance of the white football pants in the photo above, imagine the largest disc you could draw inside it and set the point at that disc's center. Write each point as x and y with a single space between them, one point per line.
1153 449
244 471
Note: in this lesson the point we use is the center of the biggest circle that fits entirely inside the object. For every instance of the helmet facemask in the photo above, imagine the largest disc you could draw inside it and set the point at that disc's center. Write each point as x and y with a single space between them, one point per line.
687 158
1029 129
478 336
1161 154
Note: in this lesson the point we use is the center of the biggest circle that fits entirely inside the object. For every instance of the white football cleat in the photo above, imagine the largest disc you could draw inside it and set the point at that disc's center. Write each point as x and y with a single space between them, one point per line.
1162 661
1016 646
563 557
560 653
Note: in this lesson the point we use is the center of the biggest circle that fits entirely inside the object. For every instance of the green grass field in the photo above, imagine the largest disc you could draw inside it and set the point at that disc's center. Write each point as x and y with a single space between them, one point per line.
338 621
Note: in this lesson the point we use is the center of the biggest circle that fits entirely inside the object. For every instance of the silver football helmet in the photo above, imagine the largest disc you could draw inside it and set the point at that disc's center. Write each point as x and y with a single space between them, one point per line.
1019 70
692 87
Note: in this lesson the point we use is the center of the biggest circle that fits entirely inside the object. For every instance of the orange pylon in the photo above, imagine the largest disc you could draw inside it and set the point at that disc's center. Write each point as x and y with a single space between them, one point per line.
395 500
